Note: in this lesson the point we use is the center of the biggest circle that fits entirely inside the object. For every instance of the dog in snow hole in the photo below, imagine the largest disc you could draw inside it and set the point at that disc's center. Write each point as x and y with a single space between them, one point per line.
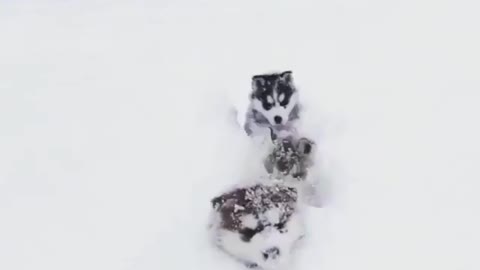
259 225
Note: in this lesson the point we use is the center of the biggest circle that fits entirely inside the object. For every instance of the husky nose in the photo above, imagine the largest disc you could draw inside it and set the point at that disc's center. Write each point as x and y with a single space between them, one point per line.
277 119
271 253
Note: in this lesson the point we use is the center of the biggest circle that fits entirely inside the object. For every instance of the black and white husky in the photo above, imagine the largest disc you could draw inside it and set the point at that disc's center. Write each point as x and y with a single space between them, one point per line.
273 104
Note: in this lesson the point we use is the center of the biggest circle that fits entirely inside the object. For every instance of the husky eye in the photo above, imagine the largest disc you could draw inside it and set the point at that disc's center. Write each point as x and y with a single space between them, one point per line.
267 102
284 102
247 234
267 106
285 92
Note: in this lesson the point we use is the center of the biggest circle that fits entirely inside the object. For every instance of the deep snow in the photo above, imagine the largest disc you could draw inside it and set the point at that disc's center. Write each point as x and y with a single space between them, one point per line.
115 129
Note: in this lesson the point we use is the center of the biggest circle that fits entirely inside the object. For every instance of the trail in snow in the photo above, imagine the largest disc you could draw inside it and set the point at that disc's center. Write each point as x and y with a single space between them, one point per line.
115 129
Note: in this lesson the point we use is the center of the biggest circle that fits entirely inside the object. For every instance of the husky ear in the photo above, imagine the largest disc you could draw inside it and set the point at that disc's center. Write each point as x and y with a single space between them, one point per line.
305 146
217 202
287 76
257 82
226 200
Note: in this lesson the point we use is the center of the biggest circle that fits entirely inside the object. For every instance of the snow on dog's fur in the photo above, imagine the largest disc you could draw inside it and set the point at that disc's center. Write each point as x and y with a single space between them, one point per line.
258 225
290 157
289 162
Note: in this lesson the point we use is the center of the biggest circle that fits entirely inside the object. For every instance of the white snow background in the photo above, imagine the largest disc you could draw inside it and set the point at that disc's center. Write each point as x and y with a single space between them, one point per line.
115 129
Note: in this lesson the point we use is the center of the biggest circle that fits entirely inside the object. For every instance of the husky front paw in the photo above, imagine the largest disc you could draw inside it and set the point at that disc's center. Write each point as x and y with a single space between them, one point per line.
251 265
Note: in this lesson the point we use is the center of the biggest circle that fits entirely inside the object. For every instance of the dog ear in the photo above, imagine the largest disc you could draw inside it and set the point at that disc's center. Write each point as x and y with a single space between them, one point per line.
287 76
305 146
257 82
224 201
217 202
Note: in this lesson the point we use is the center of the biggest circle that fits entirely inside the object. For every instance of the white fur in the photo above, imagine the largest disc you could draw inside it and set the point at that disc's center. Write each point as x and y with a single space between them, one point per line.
251 251
249 221
270 100
273 215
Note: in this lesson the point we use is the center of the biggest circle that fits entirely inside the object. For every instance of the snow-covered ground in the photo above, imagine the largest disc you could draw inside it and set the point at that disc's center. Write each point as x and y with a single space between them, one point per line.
115 129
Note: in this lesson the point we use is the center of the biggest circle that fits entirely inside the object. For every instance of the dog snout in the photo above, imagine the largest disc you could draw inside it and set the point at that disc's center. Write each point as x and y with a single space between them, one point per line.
271 253
277 119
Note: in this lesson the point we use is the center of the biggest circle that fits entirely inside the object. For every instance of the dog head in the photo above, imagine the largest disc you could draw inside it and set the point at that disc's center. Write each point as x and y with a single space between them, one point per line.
274 96
258 224
290 157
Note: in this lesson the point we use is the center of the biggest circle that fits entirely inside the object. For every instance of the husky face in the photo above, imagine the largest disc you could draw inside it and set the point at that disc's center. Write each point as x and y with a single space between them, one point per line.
259 224
274 96
290 157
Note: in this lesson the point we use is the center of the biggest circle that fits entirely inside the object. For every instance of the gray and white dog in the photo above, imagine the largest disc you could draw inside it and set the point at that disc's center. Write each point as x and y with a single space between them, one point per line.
290 157
258 225
289 161
273 104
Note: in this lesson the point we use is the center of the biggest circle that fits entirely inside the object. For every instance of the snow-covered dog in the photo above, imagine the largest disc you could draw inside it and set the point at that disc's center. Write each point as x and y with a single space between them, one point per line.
290 157
273 104
289 162
258 225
